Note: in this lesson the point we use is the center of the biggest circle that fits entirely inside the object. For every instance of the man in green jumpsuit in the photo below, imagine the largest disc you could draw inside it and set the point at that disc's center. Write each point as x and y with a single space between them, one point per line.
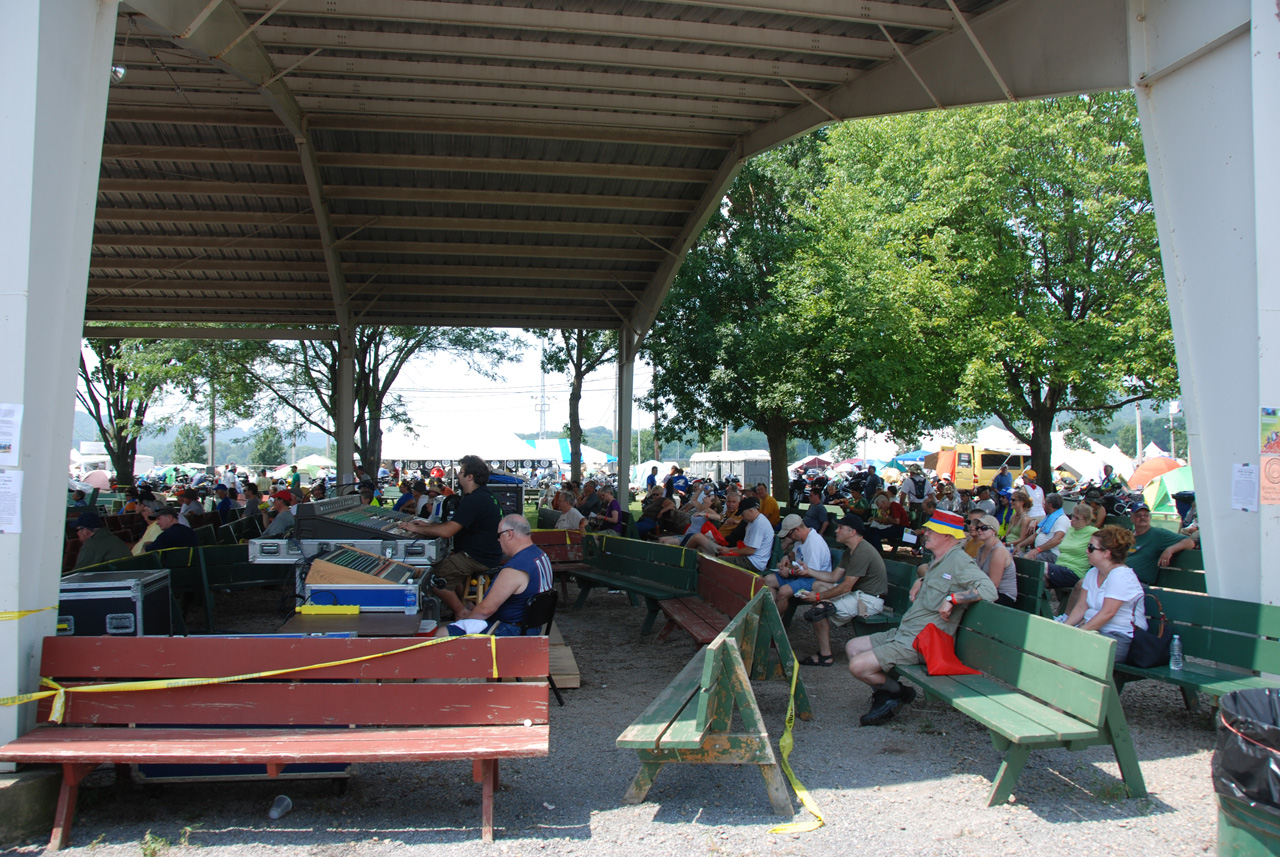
950 582
98 545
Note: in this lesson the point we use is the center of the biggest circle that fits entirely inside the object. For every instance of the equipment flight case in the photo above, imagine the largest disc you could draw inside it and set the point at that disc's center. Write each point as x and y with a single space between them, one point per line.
116 603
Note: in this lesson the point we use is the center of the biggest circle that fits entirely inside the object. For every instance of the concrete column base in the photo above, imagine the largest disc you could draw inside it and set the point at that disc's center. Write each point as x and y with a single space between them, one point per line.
27 802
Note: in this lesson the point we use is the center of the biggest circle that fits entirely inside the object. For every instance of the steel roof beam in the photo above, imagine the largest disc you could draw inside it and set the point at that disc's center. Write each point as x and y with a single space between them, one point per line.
303 306
535 22
260 333
566 53
403 194
499 272
563 117
418 124
423 248
235 287
392 161
861 12
452 224
525 319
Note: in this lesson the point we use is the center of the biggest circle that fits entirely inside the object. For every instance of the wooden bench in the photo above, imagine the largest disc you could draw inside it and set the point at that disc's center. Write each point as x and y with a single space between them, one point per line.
1033 589
692 720
1043 685
1237 638
564 549
370 711
654 572
723 590
1182 579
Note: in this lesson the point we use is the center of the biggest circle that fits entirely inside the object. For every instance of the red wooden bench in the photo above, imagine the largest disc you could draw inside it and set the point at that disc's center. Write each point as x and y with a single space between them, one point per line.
723 590
564 549
370 711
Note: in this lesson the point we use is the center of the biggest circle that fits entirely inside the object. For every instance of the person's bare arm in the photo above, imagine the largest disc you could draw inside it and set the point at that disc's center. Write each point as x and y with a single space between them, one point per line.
1100 619
1167 556
433 531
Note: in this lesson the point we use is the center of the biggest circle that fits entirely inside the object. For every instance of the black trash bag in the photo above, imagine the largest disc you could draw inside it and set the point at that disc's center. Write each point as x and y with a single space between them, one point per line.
1246 763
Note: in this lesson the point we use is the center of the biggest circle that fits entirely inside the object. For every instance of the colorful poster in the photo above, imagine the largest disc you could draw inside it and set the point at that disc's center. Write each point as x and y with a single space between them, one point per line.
1270 425
1270 480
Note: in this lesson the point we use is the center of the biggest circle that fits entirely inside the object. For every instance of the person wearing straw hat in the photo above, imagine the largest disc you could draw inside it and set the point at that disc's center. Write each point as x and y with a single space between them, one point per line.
949 583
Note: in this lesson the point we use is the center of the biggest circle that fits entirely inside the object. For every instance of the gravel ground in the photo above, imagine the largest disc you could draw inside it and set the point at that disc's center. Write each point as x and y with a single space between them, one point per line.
915 786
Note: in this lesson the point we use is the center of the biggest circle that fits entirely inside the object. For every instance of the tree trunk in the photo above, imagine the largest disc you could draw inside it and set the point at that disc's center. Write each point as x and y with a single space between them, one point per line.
776 433
1042 450
123 450
657 444
575 429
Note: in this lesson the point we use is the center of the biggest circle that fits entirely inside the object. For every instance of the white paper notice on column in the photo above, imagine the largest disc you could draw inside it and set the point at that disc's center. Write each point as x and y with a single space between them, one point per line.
10 433
1244 487
10 501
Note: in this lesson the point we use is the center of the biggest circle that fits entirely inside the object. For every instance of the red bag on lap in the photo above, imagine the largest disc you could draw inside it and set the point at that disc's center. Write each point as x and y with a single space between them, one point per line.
708 527
938 648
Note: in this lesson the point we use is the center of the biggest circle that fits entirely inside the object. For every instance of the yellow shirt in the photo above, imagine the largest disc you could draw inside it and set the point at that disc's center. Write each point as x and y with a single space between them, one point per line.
153 532
769 508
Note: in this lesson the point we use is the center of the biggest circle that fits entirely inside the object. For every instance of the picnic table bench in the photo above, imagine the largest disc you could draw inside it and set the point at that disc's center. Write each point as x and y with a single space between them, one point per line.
1236 639
1042 685
692 720
654 572
723 590
902 576
369 711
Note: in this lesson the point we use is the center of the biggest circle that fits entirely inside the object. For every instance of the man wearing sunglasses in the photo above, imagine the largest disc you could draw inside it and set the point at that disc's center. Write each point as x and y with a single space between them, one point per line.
526 573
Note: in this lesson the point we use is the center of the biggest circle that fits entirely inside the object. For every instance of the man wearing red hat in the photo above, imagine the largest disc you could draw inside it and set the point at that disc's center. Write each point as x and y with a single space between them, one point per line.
282 523
951 580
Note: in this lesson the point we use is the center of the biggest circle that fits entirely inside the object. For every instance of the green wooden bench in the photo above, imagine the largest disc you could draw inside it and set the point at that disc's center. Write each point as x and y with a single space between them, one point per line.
1043 685
1181 579
644 570
1239 638
547 518
692 720
902 576
1119 521
1033 590
1189 560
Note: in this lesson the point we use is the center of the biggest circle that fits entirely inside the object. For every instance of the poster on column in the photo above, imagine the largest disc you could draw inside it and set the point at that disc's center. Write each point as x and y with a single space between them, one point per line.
10 501
10 432
1269 489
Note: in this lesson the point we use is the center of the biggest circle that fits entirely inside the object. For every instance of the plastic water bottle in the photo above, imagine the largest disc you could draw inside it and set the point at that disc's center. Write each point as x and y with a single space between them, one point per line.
280 807
1175 653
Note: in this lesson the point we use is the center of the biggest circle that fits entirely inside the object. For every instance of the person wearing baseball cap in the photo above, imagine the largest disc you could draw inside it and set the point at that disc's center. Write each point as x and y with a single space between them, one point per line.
174 533
281 524
97 544
862 583
949 583
1153 547
753 552
808 562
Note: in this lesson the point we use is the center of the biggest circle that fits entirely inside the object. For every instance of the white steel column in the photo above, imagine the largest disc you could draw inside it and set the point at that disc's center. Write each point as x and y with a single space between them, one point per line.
1265 55
344 406
1190 65
626 383
55 60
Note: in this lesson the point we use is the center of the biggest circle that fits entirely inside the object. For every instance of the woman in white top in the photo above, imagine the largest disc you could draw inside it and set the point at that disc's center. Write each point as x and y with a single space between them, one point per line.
1036 493
1112 602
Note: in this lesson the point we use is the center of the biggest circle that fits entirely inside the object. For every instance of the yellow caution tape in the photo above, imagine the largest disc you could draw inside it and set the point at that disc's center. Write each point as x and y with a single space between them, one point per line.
784 746
14 615
59 692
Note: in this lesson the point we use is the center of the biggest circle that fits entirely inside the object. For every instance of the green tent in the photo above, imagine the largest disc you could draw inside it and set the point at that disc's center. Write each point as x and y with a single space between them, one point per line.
1159 491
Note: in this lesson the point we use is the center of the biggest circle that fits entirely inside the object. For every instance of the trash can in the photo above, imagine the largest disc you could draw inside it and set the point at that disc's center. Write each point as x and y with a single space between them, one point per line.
1246 773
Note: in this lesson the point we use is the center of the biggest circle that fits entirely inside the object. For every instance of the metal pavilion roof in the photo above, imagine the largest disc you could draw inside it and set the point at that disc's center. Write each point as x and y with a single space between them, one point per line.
540 163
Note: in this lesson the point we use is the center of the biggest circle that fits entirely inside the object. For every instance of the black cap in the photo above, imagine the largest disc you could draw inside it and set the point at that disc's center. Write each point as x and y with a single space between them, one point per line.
90 521
748 502
853 522
167 510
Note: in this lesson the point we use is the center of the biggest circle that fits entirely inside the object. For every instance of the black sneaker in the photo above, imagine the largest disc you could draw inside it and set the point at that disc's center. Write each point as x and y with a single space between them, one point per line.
907 695
883 712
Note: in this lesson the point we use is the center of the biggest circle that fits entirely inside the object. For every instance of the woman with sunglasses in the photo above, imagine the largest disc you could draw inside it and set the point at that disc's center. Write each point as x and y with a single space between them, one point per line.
995 560
1112 602
1020 524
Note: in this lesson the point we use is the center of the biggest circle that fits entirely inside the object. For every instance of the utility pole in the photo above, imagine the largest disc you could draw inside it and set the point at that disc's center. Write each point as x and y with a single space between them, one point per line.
1173 443
213 423
724 439
543 407
1137 409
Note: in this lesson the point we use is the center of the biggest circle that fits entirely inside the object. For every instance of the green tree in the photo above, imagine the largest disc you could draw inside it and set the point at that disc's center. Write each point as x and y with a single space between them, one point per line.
1025 232
189 445
576 353
299 377
749 336
269 448
119 381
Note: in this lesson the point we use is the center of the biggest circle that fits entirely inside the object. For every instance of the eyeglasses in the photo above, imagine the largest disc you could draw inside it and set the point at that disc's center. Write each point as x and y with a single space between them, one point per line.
1094 549
982 528
500 532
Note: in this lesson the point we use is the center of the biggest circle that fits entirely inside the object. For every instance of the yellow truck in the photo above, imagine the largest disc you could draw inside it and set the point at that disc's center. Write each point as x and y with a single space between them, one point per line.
970 467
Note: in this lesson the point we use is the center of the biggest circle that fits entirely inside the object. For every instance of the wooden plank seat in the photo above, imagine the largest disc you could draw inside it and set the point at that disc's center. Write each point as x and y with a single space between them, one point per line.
692 720
723 590
1033 589
1232 642
368 711
1042 685
564 549
644 570
1184 579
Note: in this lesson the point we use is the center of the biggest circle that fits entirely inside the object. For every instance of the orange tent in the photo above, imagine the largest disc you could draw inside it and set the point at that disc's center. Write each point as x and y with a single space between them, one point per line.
1150 469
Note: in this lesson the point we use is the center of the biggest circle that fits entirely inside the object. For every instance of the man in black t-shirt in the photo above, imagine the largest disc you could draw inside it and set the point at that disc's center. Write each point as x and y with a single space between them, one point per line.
474 530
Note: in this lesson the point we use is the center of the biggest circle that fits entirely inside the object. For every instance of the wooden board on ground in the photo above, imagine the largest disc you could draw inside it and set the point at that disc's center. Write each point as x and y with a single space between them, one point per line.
564 666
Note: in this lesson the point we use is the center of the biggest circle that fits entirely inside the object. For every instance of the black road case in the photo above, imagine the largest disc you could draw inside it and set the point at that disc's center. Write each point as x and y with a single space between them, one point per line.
119 603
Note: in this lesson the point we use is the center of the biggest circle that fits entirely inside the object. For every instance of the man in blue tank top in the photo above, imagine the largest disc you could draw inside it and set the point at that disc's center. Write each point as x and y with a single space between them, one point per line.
526 573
